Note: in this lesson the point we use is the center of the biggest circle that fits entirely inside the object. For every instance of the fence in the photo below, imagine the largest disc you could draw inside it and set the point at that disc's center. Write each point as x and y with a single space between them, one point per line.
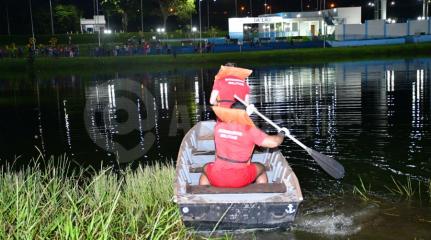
375 29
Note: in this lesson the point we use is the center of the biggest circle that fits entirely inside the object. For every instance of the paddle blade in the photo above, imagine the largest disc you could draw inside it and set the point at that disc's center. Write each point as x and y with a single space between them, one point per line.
332 167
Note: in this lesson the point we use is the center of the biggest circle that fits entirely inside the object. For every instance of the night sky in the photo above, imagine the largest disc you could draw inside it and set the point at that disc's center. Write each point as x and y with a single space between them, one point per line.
220 10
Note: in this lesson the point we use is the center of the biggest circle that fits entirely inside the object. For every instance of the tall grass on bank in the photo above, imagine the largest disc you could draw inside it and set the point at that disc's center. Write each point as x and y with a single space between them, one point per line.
363 191
429 188
54 204
402 189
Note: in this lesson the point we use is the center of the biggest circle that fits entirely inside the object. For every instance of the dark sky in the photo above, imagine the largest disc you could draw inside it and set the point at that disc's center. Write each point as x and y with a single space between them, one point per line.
220 10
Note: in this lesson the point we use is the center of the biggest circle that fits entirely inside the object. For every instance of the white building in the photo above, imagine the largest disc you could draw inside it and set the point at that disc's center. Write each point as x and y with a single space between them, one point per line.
93 25
288 24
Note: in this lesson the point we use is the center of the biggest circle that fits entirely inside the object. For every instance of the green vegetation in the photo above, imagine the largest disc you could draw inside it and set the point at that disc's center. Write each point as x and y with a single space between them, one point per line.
66 18
406 189
429 188
363 192
403 189
55 202
246 59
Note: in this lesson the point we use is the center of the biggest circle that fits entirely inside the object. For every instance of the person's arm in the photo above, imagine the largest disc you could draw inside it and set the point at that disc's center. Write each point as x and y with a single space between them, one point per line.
247 98
213 98
272 141
264 140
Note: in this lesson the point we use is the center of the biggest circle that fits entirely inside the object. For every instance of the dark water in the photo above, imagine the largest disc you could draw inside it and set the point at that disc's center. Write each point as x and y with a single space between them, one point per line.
373 117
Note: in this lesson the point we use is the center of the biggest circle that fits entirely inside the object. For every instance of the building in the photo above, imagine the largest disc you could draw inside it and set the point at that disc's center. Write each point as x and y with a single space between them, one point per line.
96 24
291 24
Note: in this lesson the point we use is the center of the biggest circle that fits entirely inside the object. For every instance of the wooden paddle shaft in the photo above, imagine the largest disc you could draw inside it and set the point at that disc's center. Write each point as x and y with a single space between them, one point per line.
273 124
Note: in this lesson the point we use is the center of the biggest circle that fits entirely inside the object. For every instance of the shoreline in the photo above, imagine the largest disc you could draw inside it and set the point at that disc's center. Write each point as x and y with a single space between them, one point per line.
244 59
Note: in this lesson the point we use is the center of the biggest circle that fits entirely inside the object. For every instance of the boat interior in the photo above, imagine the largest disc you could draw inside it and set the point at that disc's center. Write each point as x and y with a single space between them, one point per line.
198 149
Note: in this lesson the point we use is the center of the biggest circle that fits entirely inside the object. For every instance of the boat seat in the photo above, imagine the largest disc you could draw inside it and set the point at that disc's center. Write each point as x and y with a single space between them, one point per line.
206 137
196 152
194 169
252 188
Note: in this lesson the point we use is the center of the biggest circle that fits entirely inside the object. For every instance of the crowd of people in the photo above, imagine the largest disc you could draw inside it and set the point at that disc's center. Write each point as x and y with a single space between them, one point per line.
58 51
150 48
11 51
130 49
146 48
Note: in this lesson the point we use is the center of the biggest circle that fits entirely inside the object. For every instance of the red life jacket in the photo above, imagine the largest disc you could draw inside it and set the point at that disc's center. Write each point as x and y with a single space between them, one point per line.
230 135
232 143
230 81
240 73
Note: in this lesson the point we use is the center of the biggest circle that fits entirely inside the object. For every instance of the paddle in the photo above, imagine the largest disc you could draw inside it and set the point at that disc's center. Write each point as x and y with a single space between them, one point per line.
329 165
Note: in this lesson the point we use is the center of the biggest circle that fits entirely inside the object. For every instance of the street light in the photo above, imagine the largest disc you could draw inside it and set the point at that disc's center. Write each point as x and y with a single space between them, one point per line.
142 19
208 14
52 22
194 29
200 27
97 21
242 9
32 28
7 19
269 9
390 20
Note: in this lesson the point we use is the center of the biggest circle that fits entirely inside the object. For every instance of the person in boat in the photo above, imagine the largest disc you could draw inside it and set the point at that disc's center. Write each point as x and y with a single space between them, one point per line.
235 137
230 81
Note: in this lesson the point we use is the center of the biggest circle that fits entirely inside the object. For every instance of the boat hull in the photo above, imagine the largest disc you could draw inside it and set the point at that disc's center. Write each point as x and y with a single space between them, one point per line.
234 216
257 206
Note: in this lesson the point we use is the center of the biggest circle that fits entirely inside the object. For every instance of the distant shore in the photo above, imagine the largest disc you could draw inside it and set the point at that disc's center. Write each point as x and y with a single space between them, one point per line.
246 59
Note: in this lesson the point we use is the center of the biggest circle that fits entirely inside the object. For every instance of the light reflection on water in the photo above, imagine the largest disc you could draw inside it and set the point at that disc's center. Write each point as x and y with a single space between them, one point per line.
373 117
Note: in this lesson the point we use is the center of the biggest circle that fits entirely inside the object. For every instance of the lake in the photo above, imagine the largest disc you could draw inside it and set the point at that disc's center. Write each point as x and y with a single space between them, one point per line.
371 116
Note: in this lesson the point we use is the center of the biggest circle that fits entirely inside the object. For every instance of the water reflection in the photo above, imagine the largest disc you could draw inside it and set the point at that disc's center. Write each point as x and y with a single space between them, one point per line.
39 120
369 115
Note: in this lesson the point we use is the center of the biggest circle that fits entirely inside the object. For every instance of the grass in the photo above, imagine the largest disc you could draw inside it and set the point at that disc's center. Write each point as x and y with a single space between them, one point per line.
246 59
429 188
363 191
403 189
54 202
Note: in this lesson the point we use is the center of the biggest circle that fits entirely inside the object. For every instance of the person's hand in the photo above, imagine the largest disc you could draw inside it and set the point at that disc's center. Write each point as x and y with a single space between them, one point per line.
250 109
284 131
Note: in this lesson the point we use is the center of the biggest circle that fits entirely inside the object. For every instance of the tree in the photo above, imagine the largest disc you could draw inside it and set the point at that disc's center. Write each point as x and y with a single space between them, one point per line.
127 9
66 18
183 9
110 7
42 21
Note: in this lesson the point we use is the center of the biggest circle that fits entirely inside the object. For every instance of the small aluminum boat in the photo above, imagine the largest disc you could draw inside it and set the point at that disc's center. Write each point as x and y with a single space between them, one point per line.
257 206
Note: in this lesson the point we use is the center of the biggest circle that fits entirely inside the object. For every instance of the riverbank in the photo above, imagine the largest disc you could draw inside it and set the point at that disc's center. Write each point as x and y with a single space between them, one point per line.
54 203
245 59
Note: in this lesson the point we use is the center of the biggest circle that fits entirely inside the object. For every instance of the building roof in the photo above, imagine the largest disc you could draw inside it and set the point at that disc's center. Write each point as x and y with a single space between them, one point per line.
311 14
